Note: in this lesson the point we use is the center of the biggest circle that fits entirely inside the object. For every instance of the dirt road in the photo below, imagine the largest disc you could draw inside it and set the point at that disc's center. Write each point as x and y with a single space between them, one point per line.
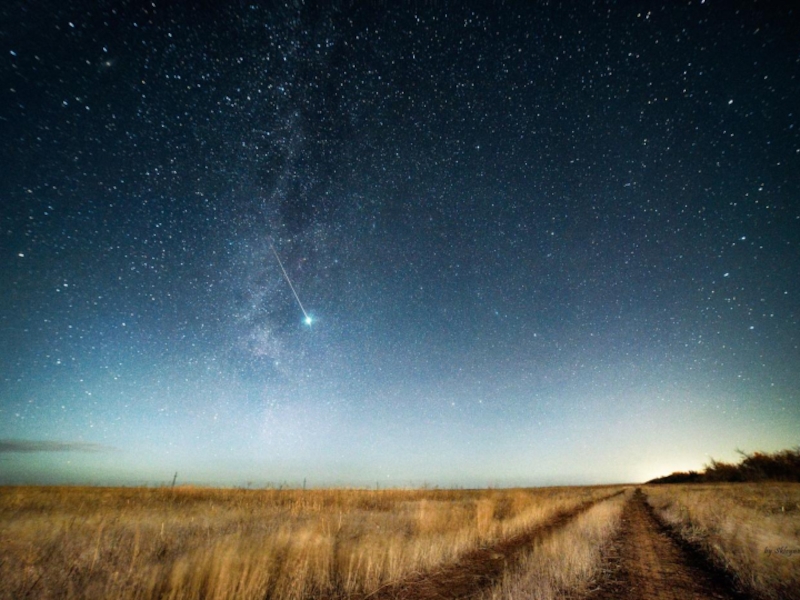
647 563
478 570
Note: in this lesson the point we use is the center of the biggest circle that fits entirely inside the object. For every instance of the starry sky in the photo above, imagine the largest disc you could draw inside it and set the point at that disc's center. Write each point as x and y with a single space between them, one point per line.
539 243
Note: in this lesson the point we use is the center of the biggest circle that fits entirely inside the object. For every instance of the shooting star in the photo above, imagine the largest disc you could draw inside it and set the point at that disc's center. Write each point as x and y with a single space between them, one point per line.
308 320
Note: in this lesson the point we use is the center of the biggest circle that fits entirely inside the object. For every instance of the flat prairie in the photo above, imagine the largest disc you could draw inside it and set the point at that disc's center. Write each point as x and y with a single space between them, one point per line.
591 543
185 542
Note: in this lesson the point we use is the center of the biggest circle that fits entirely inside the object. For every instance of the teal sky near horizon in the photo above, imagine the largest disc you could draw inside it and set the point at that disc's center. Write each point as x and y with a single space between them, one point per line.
548 244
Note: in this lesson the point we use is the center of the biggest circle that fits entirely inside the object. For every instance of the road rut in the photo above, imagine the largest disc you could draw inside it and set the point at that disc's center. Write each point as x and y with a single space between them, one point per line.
478 570
647 563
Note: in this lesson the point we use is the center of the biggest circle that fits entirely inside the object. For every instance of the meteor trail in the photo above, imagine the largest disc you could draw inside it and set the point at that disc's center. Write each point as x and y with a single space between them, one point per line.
307 319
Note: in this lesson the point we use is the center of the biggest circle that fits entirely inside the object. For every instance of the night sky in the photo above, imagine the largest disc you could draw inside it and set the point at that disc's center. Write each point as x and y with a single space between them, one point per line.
539 243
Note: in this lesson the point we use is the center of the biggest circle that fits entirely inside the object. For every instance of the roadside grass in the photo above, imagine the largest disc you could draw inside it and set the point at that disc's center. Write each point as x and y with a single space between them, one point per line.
187 543
566 563
752 530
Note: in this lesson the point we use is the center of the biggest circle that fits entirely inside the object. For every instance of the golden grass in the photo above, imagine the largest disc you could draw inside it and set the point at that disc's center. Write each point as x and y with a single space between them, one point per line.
752 530
567 562
186 543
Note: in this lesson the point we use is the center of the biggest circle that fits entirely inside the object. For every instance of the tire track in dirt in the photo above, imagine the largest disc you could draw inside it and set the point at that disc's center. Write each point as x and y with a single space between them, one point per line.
647 562
477 570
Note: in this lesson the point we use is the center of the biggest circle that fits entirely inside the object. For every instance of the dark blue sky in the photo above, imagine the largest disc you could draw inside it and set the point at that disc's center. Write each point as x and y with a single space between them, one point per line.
551 243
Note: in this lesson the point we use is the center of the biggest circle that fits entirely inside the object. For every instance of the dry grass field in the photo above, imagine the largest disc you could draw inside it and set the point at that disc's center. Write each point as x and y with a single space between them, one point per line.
66 542
566 563
752 530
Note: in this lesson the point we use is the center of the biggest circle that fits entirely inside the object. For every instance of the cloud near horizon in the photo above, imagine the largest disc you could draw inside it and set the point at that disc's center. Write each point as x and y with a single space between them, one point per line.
8 446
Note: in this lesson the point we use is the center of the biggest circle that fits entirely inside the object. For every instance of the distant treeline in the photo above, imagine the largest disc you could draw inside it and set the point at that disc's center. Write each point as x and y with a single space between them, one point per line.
759 466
